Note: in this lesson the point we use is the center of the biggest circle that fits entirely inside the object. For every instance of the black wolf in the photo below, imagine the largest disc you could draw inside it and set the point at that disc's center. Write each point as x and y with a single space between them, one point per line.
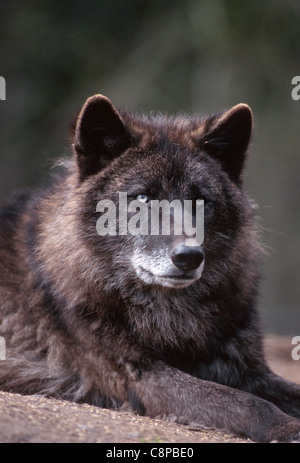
171 329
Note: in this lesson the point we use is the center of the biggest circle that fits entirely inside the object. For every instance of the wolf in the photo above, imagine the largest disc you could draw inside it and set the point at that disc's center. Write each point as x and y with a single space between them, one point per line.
143 320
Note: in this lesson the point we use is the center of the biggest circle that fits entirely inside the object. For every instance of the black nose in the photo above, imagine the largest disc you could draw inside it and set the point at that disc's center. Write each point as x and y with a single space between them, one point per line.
187 257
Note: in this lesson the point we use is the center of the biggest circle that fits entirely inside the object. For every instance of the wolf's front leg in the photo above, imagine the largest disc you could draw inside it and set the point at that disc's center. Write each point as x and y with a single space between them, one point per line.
164 390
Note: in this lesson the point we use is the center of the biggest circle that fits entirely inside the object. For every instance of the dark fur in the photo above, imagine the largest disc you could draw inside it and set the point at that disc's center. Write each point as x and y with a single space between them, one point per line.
78 322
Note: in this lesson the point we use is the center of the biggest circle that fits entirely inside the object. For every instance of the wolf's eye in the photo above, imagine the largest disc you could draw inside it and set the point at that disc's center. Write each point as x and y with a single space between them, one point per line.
142 198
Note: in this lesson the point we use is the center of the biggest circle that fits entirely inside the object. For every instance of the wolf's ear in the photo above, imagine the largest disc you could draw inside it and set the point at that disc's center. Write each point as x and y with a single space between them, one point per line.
227 137
100 135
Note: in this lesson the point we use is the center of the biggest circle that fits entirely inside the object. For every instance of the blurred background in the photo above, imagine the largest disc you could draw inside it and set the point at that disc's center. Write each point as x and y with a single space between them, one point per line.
171 56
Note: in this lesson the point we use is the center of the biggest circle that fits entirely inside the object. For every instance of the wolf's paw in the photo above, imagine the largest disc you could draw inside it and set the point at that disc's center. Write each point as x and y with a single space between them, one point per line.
288 432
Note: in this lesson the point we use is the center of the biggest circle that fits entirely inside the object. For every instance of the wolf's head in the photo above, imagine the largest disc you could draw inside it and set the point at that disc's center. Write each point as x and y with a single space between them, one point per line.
162 159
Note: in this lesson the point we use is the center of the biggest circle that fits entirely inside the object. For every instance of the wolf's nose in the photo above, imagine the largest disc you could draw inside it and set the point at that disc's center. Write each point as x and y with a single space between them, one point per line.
187 257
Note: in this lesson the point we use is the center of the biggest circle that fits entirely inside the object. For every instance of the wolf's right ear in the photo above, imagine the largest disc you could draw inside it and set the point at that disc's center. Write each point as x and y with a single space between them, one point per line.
100 135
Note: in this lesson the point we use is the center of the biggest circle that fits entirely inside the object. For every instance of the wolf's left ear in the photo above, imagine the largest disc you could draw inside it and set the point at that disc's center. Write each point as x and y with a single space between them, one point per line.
100 135
227 137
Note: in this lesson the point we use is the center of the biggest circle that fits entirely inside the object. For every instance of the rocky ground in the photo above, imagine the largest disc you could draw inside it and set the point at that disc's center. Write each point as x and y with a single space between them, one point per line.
39 419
